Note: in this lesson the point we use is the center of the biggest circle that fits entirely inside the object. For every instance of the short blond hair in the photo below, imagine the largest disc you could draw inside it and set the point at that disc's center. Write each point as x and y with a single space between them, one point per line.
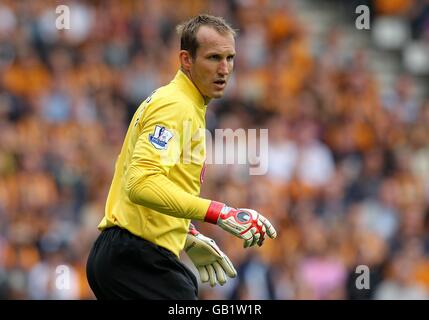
187 31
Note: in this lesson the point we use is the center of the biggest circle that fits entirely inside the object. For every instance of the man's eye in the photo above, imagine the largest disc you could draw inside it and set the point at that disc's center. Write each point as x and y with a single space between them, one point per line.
215 57
230 58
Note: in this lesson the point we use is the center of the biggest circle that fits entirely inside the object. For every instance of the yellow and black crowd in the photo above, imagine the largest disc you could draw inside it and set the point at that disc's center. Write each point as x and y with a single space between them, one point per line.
347 181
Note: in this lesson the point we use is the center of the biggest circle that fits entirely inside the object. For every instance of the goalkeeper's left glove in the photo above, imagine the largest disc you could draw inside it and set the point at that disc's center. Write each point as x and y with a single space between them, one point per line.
246 224
212 264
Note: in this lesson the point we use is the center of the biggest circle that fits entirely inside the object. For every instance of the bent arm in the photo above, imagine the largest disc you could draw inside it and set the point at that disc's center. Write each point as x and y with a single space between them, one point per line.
157 192
146 178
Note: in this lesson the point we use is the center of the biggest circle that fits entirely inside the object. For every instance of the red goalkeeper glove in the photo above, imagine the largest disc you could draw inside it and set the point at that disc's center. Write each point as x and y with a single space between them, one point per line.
246 224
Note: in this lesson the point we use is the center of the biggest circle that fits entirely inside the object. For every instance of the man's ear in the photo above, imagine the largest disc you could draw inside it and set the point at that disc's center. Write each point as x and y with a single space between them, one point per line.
185 59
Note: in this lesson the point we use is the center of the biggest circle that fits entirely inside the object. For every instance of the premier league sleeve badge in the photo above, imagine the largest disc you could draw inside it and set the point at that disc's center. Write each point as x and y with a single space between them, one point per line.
160 137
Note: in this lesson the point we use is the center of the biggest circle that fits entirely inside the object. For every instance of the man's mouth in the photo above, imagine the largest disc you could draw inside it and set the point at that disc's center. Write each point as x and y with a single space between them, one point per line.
220 83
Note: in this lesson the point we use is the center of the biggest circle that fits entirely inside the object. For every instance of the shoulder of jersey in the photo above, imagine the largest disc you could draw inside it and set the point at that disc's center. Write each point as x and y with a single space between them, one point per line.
167 95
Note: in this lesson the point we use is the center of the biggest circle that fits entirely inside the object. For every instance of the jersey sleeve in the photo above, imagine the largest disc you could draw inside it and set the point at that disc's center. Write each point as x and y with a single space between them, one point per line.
158 147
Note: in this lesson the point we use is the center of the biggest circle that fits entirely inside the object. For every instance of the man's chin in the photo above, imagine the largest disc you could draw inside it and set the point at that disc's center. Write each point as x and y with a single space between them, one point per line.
217 95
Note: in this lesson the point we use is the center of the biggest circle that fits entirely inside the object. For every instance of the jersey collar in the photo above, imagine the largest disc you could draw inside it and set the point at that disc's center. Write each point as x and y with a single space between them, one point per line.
189 88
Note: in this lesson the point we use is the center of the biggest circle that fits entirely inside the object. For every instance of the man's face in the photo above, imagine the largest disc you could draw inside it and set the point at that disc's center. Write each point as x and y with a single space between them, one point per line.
213 62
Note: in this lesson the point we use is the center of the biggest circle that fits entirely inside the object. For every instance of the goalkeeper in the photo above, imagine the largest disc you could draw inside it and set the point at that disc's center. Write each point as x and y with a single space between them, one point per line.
155 191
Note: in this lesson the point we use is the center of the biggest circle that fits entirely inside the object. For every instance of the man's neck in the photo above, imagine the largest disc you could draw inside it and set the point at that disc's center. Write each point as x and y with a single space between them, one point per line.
188 74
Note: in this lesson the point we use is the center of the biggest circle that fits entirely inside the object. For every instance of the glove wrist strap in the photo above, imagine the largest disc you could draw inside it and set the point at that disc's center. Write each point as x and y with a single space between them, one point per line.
213 212
192 230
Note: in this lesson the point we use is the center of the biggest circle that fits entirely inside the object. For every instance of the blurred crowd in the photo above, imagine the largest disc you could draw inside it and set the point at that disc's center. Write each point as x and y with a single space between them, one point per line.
348 164
415 12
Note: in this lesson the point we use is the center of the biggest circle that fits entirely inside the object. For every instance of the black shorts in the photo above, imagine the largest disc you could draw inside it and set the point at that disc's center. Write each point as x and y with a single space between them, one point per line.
124 266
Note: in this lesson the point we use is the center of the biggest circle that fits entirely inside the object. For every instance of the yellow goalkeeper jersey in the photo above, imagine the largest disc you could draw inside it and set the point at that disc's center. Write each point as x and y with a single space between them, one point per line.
156 185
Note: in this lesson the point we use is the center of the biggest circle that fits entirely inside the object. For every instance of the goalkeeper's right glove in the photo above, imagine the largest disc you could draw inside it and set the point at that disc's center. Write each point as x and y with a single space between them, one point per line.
213 265
246 224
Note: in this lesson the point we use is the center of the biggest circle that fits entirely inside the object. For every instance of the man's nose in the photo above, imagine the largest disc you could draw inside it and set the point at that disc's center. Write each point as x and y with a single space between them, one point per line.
223 68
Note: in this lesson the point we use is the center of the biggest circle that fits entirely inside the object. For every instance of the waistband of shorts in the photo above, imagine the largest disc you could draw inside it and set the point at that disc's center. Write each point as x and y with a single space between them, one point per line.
120 229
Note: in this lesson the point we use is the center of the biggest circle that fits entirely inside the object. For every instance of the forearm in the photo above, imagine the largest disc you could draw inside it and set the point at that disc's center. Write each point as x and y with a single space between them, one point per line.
151 188
157 192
